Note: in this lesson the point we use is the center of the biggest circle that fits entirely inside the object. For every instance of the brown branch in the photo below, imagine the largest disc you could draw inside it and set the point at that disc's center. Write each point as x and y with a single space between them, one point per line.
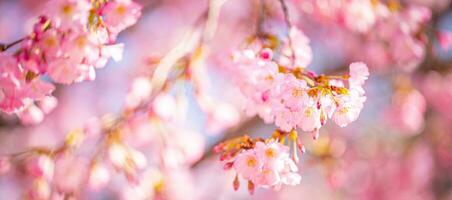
4 47
239 130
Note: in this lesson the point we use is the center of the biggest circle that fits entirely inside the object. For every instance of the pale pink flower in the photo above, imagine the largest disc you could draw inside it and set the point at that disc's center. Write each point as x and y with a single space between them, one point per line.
359 73
120 14
67 13
50 44
248 164
407 112
114 51
359 15
271 154
303 52
349 108
309 119
65 70
267 177
37 89
288 174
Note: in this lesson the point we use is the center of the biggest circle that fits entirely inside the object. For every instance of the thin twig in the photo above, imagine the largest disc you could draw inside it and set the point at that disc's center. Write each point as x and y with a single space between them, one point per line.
289 27
4 47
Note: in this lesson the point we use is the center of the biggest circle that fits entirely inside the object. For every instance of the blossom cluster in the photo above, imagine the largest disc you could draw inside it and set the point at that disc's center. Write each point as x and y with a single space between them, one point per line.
394 32
67 44
280 89
267 165
262 163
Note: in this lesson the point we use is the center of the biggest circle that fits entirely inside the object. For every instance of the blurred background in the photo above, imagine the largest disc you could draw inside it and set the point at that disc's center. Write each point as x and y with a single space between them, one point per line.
399 148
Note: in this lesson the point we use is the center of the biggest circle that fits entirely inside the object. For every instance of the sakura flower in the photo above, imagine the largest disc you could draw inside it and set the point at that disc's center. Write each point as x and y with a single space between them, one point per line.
360 15
310 115
301 48
248 164
349 108
271 153
63 70
358 74
120 14
66 13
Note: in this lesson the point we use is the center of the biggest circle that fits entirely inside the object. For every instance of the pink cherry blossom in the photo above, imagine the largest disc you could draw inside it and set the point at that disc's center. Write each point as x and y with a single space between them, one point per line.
120 14
267 165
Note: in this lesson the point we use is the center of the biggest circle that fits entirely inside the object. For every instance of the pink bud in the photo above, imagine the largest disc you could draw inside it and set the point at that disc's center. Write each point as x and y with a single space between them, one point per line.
251 187
228 165
31 115
266 54
315 134
41 166
236 183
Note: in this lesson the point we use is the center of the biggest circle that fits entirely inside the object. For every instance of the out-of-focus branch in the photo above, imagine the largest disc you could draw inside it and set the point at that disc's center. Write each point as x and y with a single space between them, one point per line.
289 27
188 43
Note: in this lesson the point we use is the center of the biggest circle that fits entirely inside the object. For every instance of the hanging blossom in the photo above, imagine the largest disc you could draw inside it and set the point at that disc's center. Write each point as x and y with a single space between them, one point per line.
67 44
284 92
263 163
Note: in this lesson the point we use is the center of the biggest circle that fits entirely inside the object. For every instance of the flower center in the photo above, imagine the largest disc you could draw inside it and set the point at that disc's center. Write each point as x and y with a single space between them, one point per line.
270 153
251 162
